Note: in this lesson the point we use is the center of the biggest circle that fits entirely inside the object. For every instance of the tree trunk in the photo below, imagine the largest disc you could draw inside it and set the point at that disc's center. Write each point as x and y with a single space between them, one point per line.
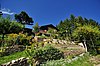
85 46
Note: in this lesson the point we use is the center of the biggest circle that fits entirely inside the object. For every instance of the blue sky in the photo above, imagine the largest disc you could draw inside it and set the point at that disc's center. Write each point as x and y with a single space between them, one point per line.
53 11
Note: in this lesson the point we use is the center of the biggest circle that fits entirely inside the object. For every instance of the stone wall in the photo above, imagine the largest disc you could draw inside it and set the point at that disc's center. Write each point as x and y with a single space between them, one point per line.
12 49
56 41
19 62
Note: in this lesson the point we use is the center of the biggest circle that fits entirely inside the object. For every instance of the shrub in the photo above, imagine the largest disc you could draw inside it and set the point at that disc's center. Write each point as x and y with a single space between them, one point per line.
47 53
20 38
42 54
24 41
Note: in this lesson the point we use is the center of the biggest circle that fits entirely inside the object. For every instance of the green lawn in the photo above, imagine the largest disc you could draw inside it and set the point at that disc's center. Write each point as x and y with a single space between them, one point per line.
11 57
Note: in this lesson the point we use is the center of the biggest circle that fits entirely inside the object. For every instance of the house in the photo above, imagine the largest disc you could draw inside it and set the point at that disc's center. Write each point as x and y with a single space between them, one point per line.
45 28
43 31
28 30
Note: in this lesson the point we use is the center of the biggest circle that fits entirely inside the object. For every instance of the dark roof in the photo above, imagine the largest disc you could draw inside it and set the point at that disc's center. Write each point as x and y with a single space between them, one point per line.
27 30
45 27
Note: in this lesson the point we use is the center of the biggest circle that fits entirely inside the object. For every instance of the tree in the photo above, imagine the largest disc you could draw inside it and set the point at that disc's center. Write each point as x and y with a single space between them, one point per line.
72 18
92 22
4 24
67 26
89 33
36 27
23 18
7 26
77 28
15 27
62 27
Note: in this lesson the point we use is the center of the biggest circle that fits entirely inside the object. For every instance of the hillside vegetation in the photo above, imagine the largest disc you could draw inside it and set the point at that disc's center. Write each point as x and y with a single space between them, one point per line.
58 47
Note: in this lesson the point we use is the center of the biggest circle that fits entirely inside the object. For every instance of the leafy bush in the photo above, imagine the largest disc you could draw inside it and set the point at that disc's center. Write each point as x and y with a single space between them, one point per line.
47 53
42 54
24 41
19 38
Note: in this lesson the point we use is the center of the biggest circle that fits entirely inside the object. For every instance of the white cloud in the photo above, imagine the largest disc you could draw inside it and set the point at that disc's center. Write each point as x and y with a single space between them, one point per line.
7 11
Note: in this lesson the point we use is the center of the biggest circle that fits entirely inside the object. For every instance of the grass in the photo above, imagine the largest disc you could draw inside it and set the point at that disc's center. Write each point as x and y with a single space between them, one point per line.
81 61
11 57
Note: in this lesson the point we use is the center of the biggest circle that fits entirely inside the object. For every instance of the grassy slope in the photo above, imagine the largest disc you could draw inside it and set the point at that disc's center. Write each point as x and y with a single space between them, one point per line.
82 61
12 57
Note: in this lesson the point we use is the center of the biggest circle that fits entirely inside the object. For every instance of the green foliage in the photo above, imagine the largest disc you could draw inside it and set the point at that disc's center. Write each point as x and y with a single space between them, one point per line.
83 61
79 29
52 33
90 33
36 27
4 25
15 27
67 26
43 54
48 53
29 53
11 57
2 50
20 39
24 42
15 39
7 26
23 18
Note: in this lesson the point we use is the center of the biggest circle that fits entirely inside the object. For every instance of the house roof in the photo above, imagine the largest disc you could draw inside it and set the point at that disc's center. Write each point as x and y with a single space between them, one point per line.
46 27
27 30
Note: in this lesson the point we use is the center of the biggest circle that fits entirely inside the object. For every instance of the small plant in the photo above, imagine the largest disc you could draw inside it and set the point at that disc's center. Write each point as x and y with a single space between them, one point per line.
29 53
47 53
41 54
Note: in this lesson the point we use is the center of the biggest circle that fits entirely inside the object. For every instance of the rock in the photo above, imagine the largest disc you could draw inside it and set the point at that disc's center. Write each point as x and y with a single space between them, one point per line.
35 38
50 42
21 58
81 44
54 41
45 43
44 39
82 54
19 62
72 42
13 61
